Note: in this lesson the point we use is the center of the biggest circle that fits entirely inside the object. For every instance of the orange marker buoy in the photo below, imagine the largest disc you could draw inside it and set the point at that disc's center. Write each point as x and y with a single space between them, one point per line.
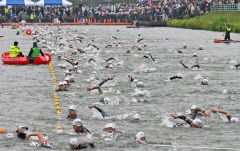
28 32
2 130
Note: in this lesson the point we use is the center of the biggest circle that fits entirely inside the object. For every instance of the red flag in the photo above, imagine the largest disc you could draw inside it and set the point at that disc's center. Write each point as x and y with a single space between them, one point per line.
150 3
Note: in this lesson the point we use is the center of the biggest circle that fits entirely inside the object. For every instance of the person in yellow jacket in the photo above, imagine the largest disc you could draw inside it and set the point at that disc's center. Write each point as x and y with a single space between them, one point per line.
15 51
227 32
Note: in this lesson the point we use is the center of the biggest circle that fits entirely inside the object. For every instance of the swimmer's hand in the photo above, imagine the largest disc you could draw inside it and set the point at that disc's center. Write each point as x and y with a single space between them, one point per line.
91 106
214 110
89 89
174 116
111 78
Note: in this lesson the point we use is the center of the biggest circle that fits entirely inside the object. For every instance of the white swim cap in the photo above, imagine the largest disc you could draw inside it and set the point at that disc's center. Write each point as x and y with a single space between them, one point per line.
234 119
67 71
60 83
197 122
193 107
140 135
71 77
140 84
75 66
73 141
72 107
65 82
110 125
205 81
77 122
67 79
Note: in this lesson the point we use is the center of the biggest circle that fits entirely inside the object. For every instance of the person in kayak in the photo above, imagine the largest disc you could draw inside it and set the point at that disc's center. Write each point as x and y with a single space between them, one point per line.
34 52
229 117
227 32
23 135
15 51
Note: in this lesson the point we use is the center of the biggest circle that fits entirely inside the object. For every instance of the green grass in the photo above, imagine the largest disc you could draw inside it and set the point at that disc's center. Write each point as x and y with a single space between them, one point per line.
215 21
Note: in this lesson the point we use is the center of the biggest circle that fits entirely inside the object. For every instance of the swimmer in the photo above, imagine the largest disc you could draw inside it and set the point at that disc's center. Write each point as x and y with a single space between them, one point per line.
75 144
229 117
204 82
104 115
183 64
81 50
72 63
22 135
141 138
140 39
150 56
93 46
130 78
72 114
108 46
100 84
91 59
79 128
111 132
193 123
68 73
75 69
237 65
195 111
175 77
195 66
61 87
110 59
114 37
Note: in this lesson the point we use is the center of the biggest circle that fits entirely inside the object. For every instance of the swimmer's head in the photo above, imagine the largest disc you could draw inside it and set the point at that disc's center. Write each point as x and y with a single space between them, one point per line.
110 128
140 137
73 142
194 55
20 132
193 107
204 82
72 107
234 119
197 123
67 79
77 125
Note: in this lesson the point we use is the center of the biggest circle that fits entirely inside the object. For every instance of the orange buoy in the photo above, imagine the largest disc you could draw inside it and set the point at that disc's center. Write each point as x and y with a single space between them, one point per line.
28 32
2 130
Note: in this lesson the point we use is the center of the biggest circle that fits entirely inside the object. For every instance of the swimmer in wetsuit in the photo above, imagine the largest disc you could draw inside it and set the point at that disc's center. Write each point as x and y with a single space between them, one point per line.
175 77
229 117
22 135
79 128
75 144
193 123
196 110
99 85
104 115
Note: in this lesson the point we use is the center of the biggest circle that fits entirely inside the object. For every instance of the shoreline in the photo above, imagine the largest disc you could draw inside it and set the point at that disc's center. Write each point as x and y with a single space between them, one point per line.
215 21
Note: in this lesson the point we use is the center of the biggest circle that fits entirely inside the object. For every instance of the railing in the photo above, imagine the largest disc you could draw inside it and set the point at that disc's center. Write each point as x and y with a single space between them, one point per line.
225 7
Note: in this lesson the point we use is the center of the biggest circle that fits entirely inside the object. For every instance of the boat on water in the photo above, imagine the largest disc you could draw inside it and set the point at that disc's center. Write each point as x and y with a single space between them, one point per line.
225 41
24 60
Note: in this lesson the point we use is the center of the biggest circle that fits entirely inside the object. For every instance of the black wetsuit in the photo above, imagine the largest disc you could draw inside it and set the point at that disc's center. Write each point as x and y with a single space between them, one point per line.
101 111
83 131
84 145
197 66
186 119
175 77
61 90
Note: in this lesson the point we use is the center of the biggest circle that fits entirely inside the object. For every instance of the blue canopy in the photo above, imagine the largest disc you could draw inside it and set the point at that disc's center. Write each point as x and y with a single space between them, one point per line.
16 3
53 2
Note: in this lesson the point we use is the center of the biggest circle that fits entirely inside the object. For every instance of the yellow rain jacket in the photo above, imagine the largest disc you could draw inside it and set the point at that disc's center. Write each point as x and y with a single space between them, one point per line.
14 51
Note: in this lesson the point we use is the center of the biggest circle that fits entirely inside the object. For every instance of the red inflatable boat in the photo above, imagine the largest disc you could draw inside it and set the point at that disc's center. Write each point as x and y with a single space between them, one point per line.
224 41
24 60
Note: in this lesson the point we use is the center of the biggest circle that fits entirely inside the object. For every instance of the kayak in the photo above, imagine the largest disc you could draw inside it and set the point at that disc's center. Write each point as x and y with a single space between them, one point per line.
224 41
24 60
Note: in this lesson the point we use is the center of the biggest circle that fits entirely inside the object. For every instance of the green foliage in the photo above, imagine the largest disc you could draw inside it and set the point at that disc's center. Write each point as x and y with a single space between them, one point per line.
215 21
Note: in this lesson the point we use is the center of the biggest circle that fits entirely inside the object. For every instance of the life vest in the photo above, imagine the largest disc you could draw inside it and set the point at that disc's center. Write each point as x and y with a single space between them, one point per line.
228 30
32 16
6 10
36 52
14 51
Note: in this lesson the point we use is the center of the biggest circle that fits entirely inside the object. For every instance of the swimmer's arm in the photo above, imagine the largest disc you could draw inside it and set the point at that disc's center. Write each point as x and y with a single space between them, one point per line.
104 81
69 62
187 120
101 111
206 114
220 111
38 134
183 64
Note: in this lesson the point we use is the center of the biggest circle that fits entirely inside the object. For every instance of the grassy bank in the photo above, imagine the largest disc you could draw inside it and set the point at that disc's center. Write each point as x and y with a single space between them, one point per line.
215 21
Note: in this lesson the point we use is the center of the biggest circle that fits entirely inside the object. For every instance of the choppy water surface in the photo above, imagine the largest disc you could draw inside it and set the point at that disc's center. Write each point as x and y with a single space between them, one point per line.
27 92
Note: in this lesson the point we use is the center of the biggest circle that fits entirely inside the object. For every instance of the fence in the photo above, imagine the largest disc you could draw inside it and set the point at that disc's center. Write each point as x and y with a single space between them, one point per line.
225 7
